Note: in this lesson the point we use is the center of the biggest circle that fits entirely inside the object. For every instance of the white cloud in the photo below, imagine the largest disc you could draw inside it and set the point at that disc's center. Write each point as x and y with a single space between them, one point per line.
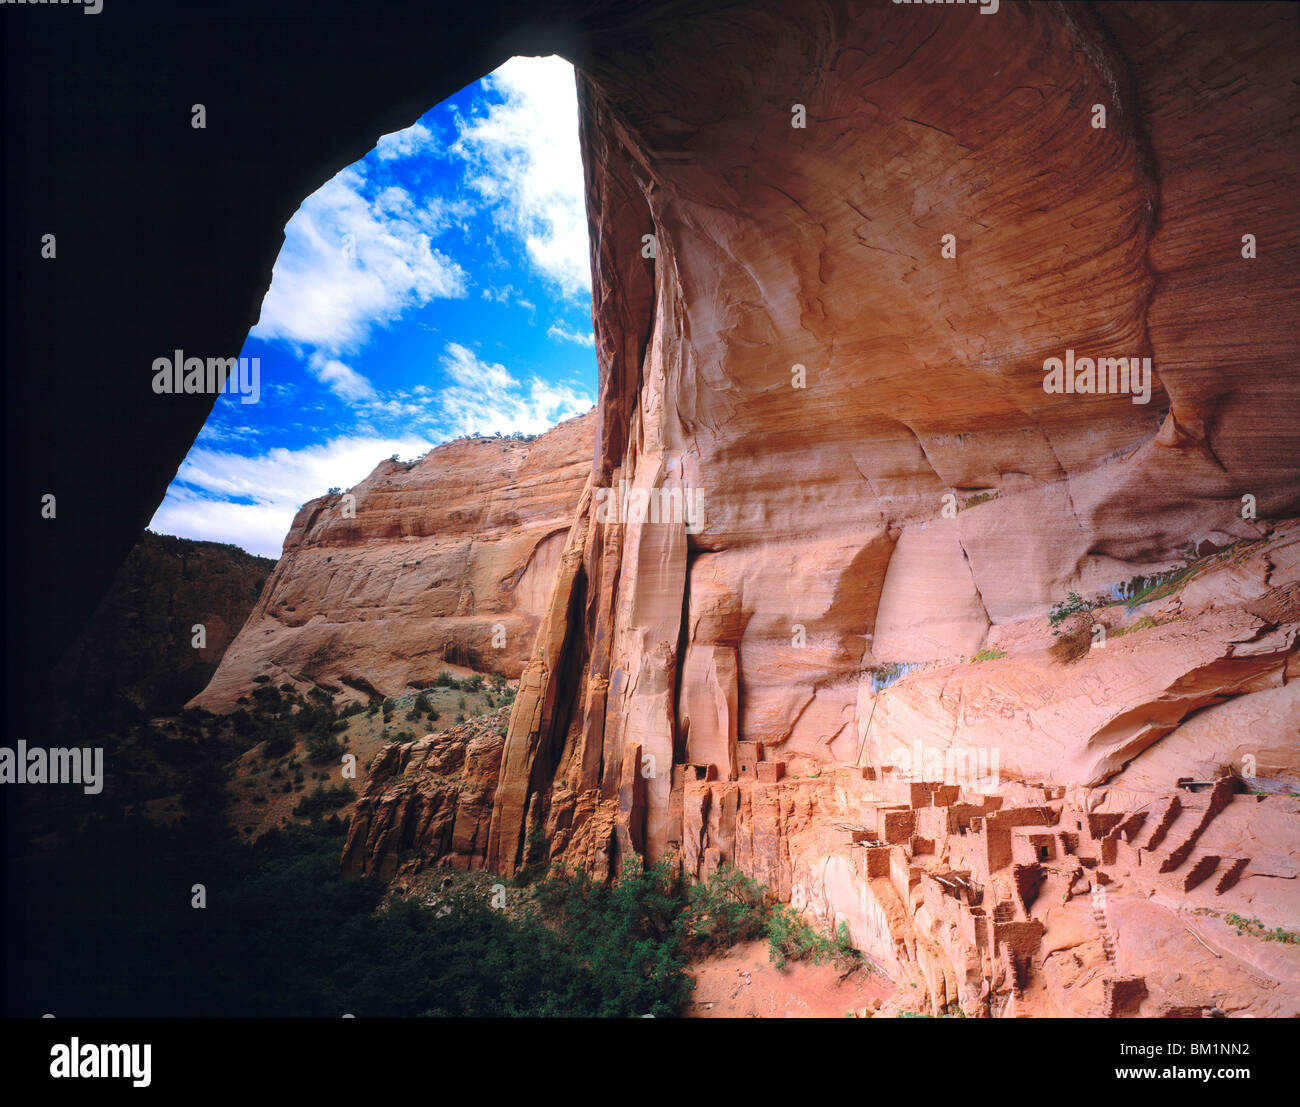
199 502
486 398
350 264
214 432
358 255
523 158
402 144
346 383
562 333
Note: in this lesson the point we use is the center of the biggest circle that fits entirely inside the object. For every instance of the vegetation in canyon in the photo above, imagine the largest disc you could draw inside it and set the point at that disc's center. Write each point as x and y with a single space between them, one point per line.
200 916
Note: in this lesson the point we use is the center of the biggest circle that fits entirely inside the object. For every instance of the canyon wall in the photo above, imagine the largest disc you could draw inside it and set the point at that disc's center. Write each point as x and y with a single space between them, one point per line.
855 406
801 619
444 563
917 498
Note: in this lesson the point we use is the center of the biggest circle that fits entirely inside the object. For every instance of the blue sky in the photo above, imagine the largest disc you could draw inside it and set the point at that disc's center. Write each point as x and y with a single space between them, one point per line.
439 287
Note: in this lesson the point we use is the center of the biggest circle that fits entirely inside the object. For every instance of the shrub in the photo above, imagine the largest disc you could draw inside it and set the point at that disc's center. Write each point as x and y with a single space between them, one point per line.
1073 604
294 937
989 655
1075 641
322 748
267 700
790 938
322 800
1072 627
1253 928
278 742
723 910
628 934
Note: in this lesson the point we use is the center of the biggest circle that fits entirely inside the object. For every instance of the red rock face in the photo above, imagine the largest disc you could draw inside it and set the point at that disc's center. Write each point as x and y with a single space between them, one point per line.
429 800
859 404
884 478
449 562
835 254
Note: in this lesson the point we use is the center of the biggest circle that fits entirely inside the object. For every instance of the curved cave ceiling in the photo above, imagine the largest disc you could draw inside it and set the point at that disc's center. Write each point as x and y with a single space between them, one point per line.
804 242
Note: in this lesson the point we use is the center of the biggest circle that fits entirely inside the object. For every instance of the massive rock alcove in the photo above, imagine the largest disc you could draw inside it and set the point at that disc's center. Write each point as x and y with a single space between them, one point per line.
801 351
832 337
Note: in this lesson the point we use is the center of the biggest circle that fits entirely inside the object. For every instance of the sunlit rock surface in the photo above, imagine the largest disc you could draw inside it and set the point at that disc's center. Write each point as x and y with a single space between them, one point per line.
884 478
448 561
887 486
834 252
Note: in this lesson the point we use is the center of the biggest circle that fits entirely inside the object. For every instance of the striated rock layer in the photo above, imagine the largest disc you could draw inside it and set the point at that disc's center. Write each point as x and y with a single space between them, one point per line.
1146 886
446 562
861 422
834 251
428 799
826 456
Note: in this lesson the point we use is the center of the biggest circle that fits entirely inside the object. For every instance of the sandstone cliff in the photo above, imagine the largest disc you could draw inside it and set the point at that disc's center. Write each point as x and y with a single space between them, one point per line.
883 477
801 621
854 403
1037 831
428 800
446 563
